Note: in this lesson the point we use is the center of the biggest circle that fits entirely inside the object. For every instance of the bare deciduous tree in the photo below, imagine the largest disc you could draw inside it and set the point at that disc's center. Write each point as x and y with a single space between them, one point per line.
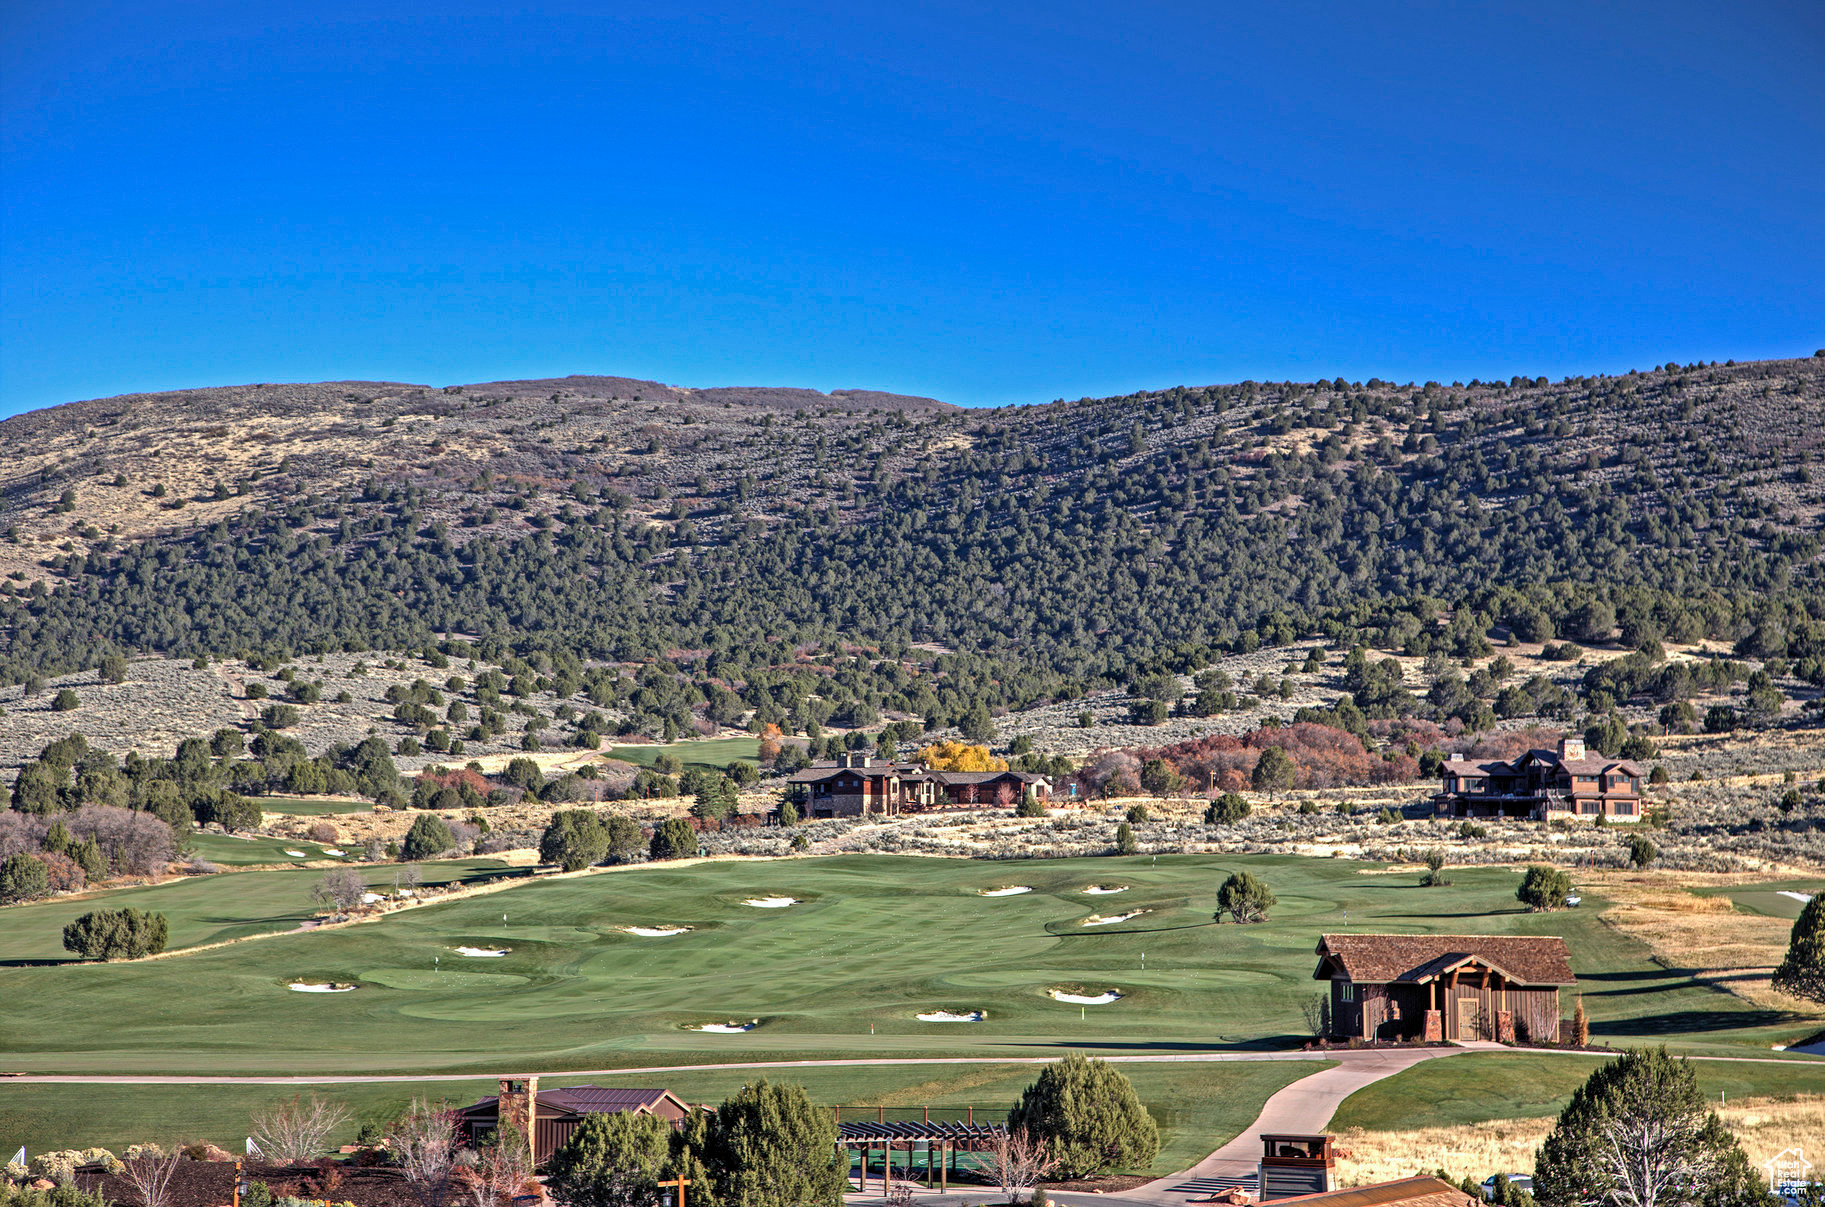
505 1165
424 1140
1316 1009
297 1130
149 1172
1018 1160
341 888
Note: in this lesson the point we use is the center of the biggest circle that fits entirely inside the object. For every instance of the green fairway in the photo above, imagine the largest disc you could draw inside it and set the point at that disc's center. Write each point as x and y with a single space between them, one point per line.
313 806
231 851
1476 1087
206 909
713 753
1774 898
874 942
1198 1107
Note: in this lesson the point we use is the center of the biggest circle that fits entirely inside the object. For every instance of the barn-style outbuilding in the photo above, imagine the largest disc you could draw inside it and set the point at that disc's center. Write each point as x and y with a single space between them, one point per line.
1445 987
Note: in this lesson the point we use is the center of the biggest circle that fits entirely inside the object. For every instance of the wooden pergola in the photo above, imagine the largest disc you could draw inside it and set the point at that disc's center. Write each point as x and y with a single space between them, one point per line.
940 1141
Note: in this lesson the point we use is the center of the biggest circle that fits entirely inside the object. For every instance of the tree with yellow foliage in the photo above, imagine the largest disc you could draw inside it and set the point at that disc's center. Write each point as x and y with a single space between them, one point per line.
959 756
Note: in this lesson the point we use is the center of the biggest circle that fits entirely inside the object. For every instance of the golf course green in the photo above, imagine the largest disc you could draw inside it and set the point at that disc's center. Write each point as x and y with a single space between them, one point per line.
871 943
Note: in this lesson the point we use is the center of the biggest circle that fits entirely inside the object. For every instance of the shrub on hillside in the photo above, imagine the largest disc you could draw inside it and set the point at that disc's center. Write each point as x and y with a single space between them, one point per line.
673 839
429 837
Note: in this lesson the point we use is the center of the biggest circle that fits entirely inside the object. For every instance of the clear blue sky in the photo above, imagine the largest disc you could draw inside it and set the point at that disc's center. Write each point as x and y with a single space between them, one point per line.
981 202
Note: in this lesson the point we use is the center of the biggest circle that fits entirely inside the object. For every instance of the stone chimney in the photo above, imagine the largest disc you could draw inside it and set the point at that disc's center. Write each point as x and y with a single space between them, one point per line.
1571 748
519 1106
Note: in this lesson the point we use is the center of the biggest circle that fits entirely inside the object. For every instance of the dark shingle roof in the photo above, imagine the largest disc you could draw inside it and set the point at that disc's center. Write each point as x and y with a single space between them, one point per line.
1379 959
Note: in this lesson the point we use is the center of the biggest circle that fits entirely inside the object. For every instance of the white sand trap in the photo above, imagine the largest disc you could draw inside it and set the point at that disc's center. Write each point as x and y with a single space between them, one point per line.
947 1016
728 1028
1099 920
770 902
1009 891
296 854
655 932
303 987
1104 998
483 953
1787 892
334 851
1105 890
371 898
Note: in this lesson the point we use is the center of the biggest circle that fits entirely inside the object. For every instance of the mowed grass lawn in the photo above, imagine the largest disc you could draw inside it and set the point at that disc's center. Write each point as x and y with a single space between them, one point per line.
711 753
875 941
1198 1107
313 806
1478 1087
1771 898
199 909
229 850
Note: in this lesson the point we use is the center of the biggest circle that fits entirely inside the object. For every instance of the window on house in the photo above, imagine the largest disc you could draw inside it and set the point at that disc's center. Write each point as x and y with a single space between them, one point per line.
1625 808
1589 806
1346 991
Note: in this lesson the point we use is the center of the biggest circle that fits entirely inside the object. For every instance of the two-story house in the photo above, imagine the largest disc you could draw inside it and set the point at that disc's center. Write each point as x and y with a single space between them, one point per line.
1541 784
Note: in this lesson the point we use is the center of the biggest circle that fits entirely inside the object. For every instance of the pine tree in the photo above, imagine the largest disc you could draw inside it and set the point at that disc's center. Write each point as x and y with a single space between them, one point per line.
1089 1117
1802 970
1637 1132
769 1146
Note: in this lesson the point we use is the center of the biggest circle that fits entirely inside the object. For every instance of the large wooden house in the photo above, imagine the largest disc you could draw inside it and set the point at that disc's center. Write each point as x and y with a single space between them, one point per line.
1445 987
858 785
1542 783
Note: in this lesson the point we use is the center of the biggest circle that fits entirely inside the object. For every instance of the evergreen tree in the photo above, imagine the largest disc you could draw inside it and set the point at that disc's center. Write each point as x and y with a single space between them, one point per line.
768 1145
1089 1117
1226 810
612 1160
1637 1134
1802 969
1544 888
1244 898
116 934
428 838
23 878
1124 840
1274 771
673 839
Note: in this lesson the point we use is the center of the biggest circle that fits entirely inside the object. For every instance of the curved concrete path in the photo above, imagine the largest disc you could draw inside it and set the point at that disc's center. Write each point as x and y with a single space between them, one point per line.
1304 1106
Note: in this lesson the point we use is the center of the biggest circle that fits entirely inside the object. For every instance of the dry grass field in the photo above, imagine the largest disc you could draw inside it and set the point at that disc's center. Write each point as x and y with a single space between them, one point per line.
1764 1125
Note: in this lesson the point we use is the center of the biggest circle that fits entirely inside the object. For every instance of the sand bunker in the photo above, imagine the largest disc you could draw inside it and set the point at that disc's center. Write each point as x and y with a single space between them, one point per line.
1787 892
334 851
1009 891
1083 999
770 902
655 932
728 1028
371 898
947 1016
1099 920
305 987
483 953
1104 890
296 854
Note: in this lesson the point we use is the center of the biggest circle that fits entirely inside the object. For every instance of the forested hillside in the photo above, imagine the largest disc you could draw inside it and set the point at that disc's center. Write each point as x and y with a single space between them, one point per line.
907 555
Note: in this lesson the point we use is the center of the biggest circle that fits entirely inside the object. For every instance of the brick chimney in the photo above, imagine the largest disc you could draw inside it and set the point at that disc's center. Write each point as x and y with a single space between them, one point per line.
1571 748
519 1106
